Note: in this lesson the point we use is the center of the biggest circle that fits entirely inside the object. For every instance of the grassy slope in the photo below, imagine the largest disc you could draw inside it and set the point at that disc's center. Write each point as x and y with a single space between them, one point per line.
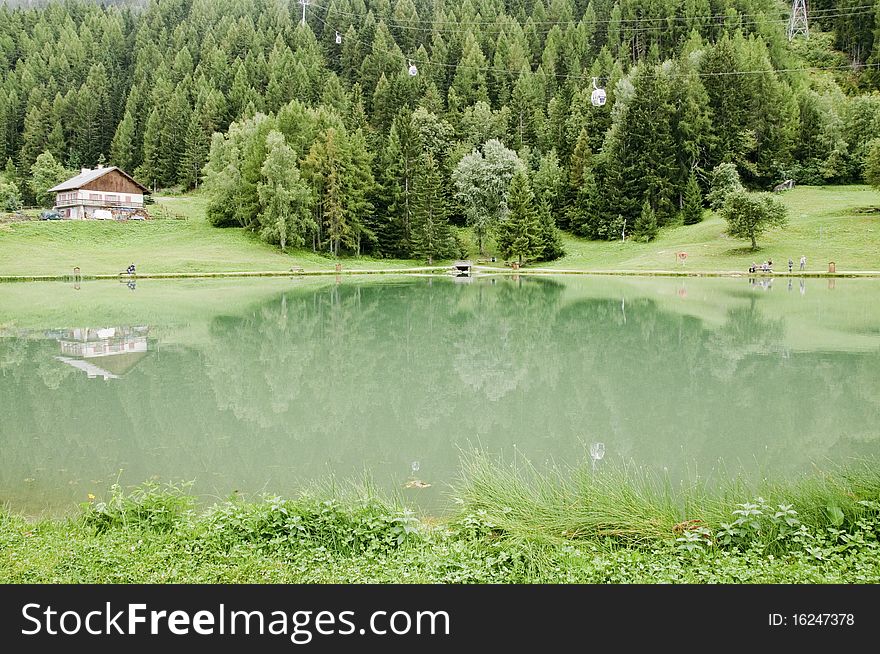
157 246
851 240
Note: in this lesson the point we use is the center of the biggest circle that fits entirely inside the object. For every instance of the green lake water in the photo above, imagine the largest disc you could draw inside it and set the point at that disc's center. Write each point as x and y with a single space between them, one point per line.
268 385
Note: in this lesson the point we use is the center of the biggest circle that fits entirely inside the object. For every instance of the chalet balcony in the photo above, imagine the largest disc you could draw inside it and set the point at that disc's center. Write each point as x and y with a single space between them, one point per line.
100 204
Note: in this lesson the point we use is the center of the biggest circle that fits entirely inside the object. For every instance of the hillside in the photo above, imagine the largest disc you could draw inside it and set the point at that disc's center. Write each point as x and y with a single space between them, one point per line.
384 128
847 217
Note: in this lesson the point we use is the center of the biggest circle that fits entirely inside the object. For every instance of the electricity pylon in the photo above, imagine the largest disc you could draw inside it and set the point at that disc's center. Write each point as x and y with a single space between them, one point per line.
798 23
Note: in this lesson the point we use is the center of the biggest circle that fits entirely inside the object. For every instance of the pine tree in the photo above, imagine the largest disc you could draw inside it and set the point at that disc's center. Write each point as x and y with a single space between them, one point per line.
431 235
401 154
122 149
645 228
91 129
548 236
519 232
692 211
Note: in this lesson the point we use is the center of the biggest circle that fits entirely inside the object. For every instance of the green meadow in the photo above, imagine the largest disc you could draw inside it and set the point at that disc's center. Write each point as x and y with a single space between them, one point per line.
831 223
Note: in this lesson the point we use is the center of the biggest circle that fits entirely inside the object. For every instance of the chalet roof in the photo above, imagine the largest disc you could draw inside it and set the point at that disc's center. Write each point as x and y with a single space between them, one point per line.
88 175
118 364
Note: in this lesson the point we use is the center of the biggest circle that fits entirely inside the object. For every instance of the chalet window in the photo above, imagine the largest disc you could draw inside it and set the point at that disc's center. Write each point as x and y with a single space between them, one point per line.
128 199
94 196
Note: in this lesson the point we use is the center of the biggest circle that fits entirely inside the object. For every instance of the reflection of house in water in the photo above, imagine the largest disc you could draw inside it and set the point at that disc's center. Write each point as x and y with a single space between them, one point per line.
108 352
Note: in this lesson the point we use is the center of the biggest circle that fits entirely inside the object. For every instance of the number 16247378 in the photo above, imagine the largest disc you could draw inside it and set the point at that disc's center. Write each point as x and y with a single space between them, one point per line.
811 620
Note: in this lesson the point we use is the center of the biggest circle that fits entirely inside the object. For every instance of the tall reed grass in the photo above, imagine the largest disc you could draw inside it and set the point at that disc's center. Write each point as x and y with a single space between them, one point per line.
628 504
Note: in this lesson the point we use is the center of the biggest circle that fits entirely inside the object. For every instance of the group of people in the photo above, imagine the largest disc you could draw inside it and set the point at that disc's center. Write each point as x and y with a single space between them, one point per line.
767 266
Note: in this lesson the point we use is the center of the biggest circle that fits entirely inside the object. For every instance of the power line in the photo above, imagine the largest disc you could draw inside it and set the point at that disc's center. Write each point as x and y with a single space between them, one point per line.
832 12
490 69
624 29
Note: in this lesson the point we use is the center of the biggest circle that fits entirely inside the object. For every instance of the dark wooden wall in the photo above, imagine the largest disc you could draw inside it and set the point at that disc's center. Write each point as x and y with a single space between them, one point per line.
114 182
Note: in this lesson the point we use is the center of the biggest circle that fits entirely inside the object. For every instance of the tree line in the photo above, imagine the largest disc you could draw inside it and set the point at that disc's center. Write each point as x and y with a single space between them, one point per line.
330 141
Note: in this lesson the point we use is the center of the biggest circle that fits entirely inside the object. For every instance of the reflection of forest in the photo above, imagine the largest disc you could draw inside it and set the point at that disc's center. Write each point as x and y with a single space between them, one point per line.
370 377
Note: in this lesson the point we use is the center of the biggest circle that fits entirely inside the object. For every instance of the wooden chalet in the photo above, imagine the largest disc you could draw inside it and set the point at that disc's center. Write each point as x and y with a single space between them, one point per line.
110 191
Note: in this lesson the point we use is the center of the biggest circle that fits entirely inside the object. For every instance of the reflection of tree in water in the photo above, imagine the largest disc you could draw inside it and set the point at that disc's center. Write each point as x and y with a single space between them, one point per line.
650 387
305 348
376 375
20 357
746 331
505 337
376 368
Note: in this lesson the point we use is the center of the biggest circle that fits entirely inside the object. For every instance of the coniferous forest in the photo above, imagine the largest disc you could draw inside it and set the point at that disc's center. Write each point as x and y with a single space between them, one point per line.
380 126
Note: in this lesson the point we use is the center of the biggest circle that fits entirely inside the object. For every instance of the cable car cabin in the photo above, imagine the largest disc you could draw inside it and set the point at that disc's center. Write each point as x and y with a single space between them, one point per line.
413 71
338 38
598 97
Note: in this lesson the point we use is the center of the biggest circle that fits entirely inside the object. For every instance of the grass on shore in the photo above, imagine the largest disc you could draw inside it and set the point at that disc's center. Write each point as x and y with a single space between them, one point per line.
826 223
512 526
832 223
188 244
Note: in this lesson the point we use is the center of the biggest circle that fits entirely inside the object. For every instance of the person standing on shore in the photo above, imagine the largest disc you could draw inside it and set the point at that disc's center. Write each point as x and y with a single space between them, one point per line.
790 265
803 262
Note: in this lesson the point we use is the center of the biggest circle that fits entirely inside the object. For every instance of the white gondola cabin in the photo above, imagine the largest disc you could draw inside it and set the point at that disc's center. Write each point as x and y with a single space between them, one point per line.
598 97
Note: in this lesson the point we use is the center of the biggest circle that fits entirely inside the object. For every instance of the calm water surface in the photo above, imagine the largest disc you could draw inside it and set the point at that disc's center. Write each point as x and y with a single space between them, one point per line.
267 385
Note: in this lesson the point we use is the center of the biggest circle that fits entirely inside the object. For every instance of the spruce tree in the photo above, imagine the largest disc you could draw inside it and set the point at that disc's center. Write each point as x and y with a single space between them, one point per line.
692 211
173 134
548 236
91 128
519 232
431 234
150 169
641 149
123 144
645 228
400 157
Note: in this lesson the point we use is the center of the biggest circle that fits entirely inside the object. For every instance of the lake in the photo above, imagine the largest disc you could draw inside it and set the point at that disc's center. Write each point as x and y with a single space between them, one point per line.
268 385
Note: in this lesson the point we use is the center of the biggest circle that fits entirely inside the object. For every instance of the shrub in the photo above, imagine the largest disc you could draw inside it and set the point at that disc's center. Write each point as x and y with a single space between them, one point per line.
148 506
724 181
277 523
10 196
